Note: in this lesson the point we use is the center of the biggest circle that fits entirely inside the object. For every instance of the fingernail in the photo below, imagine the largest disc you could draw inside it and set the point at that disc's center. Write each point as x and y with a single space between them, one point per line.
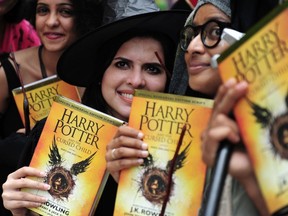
230 82
47 186
140 161
144 153
44 199
140 135
144 146
242 85
43 174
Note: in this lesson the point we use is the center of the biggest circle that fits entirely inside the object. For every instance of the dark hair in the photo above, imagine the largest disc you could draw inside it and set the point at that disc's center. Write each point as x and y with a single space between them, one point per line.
88 14
17 13
93 95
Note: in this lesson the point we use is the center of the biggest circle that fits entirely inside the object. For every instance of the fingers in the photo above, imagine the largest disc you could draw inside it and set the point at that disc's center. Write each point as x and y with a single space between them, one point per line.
220 125
15 199
220 129
26 171
21 130
127 143
227 96
125 150
126 136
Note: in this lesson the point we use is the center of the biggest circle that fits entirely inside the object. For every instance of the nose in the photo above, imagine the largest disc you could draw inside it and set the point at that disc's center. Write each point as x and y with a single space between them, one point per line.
136 79
52 20
196 45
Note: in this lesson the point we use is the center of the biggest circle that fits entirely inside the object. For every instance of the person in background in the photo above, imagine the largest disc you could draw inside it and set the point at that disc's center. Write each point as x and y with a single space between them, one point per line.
16 32
200 40
194 76
184 4
115 59
58 23
222 125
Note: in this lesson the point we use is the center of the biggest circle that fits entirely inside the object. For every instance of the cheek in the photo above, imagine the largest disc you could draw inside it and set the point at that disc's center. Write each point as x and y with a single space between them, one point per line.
110 81
156 84
105 84
221 47
38 23
213 83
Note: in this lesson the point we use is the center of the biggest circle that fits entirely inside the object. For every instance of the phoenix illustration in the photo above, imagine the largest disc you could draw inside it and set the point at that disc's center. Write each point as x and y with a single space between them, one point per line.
277 125
60 178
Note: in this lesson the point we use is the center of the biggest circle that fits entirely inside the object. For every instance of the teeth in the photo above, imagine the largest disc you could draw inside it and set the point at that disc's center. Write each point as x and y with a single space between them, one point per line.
130 96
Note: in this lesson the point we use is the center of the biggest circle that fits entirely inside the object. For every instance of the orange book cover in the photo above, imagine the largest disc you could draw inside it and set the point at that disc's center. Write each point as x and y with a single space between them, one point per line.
71 149
40 95
261 58
161 117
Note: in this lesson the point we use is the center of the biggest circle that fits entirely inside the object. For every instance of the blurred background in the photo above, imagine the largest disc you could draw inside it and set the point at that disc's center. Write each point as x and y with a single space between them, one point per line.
178 4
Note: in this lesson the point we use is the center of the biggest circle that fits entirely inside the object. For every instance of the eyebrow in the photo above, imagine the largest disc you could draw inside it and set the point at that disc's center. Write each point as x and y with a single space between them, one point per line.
122 59
60 4
219 18
147 63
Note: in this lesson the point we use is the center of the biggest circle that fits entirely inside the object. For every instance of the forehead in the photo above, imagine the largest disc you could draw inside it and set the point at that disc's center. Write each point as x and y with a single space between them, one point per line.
54 2
208 12
140 49
147 43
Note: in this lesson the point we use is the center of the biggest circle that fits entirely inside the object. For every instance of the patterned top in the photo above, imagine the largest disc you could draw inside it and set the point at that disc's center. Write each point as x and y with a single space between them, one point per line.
19 36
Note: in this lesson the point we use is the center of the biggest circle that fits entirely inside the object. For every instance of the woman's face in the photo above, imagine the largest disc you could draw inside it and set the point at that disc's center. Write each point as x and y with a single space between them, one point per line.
202 77
6 6
135 66
55 24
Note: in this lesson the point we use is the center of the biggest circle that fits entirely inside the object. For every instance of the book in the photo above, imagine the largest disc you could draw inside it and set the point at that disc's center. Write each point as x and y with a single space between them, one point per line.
71 149
161 117
40 95
261 59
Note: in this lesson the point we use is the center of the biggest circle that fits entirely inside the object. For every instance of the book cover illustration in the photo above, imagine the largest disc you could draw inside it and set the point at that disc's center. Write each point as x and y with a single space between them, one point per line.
40 95
261 58
161 117
71 150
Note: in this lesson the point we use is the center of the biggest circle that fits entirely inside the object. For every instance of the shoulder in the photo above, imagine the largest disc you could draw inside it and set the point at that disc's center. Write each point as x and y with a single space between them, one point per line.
26 56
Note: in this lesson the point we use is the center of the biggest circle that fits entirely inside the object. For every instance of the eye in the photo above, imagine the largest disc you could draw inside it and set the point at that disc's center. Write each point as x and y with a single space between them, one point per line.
42 10
153 69
66 12
213 31
122 65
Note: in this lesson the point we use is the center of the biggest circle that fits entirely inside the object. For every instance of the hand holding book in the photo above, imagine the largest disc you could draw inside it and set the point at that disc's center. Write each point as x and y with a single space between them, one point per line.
221 126
125 150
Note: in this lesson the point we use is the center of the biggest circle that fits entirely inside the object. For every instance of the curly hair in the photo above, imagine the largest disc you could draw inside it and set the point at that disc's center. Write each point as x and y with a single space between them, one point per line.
88 14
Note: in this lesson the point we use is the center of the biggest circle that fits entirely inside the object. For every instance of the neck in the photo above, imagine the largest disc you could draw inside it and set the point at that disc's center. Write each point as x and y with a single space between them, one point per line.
50 60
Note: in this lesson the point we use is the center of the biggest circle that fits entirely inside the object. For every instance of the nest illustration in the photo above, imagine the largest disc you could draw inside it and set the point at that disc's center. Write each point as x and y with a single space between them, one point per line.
154 180
61 179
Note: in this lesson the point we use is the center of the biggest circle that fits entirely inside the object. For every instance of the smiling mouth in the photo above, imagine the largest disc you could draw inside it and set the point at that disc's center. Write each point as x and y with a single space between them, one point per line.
126 97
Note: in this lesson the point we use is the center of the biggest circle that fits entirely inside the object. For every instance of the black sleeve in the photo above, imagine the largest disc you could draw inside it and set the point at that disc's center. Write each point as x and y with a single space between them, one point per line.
11 148
31 144
107 201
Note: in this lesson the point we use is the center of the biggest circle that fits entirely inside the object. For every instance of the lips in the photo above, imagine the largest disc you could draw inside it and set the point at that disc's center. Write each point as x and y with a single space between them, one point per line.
127 96
53 35
197 67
